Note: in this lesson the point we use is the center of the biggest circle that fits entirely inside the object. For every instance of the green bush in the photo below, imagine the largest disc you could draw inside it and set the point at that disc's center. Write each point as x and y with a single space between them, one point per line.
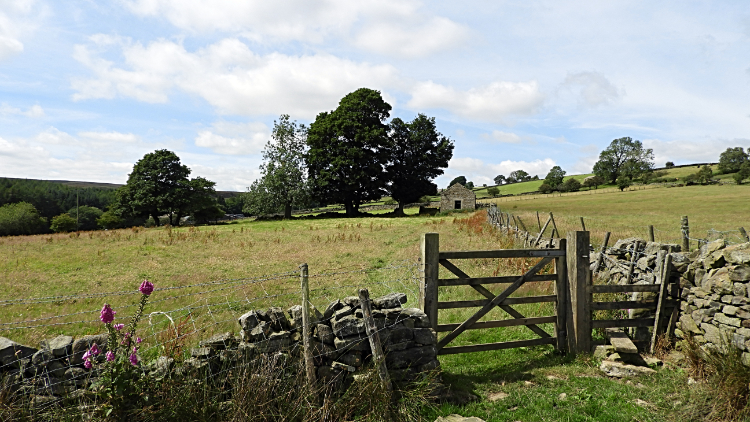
19 219
493 191
87 217
570 185
623 183
545 188
109 220
63 223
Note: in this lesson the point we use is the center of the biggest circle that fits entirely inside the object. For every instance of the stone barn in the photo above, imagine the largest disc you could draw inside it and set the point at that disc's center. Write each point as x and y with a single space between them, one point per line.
457 197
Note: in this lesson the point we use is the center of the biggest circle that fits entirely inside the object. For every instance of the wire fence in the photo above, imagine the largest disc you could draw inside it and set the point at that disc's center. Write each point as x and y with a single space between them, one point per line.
176 318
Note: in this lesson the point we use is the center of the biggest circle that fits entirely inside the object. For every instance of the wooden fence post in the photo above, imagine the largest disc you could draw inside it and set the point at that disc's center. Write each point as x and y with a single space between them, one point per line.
428 286
375 345
661 300
685 234
579 278
583 225
600 258
561 307
306 334
651 234
633 258
744 234
538 221
541 231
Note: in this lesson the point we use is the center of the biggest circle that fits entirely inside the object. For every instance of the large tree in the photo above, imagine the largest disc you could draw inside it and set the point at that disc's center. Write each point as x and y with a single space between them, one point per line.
732 159
499 179
349 151
461 180
518 176
283 183
624 157
418 154
159 185
555 177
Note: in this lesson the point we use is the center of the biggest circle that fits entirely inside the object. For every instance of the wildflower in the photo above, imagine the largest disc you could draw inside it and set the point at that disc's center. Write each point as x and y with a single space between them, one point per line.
119 327
94 350
108 314
86 355
138 340
87 364
110 356
134 357
146 287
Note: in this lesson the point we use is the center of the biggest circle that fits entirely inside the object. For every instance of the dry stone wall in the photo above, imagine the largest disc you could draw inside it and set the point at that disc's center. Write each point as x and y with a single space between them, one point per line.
714 282
341 349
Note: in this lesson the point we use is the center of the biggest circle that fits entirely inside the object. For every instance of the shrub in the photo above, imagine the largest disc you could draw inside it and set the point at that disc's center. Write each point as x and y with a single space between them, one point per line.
570 185
87 217
425 198
545 188
109 220
623 183
669 164
19 219
494 191
390 202
593 181
63 223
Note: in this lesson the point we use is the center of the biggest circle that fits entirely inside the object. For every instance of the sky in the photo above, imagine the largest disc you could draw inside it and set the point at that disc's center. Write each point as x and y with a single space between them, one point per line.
87 88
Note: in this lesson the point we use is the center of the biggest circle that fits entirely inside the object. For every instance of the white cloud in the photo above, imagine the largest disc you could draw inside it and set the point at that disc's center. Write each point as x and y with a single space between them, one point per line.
412 41
494 102
502 137
15 23
393 27
34 111
592 89
113 137
234 138
229 76
685 152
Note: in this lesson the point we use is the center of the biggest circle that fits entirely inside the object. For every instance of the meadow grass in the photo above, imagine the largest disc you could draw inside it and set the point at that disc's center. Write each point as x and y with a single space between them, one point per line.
710 209
343 255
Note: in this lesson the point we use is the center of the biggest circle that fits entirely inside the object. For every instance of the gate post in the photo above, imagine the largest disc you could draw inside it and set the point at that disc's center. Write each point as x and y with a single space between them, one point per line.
562 305
428 285
579 277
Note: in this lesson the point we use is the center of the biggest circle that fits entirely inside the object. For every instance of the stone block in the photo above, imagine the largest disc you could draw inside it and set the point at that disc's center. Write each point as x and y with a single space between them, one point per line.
622 370
739 273
712 333
389 301
397 334
353 358
81 345
276 342
348 326
60 346
603 351
261 332
420 318
724 319
737 254
352 343
345 311
277 318
324 333
393 347
202 352
10 350
689 325
249 321
331 309
729 310
220 341
425 336
411 358
351 301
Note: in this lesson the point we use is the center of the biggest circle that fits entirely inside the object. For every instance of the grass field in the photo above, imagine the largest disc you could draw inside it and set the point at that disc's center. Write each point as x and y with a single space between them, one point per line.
343 254
710 209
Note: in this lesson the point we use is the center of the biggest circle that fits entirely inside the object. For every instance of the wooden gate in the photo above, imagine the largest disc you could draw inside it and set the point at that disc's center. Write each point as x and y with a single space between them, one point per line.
432 258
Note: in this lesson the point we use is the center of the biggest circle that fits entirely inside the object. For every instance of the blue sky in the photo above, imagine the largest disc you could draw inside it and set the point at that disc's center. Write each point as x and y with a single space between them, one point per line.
88 87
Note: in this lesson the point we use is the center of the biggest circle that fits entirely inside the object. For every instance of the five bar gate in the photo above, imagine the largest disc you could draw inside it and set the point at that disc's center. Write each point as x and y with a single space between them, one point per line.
573 297
432 258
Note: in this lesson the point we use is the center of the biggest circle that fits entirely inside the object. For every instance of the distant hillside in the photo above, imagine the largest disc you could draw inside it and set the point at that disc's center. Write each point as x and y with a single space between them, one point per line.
99 185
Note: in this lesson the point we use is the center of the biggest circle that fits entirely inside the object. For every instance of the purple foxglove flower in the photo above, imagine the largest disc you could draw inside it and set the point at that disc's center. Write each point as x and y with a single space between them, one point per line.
110 356
146 287
138 340
108 314
86 355
94 350
134 358
87 364
119 327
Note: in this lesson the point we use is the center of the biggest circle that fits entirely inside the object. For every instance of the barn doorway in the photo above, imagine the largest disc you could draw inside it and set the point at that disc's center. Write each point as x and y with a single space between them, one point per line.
457 205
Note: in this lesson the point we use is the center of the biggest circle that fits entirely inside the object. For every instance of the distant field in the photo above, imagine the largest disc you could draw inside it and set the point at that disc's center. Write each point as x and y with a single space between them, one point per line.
717 207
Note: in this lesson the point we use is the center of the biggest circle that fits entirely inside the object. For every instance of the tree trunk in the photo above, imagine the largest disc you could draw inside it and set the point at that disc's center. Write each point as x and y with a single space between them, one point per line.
156 218
288 210
400 209
349 206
